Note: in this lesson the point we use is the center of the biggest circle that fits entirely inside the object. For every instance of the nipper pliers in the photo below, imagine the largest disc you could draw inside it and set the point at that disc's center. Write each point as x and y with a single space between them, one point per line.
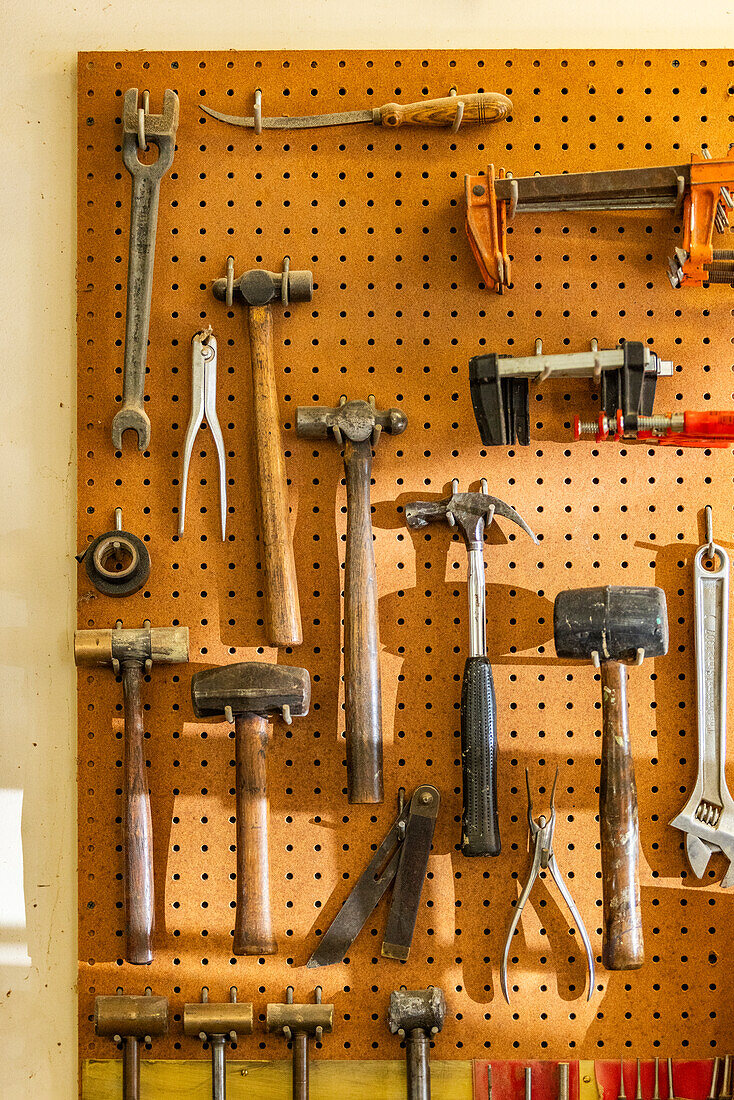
541 833
204 407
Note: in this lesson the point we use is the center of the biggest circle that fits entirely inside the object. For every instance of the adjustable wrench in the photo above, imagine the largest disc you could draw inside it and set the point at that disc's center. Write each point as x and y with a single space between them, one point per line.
140 127
708 817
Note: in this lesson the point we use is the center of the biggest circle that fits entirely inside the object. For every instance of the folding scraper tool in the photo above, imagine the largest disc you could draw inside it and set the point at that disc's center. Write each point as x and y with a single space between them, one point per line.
708 817
402 857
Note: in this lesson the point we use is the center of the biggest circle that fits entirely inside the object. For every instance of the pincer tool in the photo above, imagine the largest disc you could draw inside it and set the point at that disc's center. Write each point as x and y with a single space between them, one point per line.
204 409
708 817
541 836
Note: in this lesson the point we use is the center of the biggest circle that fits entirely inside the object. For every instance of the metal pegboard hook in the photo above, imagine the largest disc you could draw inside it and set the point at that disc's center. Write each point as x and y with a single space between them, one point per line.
229 293
709 520
257 111
142 112
514 196
285 280
459 110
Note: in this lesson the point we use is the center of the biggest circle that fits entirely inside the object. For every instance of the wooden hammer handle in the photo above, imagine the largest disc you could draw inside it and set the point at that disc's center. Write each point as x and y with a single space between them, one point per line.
283 613
253 934
623 947
479 107
361 634
137 825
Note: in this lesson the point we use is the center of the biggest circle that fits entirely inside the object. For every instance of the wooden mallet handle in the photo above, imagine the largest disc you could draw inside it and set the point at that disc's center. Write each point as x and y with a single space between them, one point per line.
623 947
137 826
253 933
283 614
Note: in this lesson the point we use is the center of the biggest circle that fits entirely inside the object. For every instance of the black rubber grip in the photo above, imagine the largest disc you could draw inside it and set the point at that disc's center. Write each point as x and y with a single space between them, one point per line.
480 832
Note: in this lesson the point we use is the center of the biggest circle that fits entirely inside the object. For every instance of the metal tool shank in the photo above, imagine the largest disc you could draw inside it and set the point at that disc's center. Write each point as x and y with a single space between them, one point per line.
708 817
160 131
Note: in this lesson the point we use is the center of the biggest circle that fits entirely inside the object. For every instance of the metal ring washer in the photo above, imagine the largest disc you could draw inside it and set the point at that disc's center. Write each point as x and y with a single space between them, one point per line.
113 582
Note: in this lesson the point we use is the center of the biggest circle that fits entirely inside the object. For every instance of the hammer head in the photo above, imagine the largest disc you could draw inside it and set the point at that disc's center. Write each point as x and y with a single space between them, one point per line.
211 1018
353 420
416 1008
470 512
259 287
158 644
309 1018
615 621
131 1017
251 687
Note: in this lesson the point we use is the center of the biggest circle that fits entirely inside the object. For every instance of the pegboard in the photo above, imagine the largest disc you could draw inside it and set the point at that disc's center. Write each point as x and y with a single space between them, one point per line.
398 310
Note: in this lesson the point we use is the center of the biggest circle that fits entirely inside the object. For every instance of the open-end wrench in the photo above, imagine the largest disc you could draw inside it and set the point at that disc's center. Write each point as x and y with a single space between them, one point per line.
708 817
139 128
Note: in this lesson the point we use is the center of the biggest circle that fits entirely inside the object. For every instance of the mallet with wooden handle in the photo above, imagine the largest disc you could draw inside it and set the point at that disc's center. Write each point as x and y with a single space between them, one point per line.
131 653
257 289
614 626
246 694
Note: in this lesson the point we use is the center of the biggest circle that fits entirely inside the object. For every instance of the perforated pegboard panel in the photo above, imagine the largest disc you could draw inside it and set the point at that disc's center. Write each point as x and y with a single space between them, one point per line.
397 311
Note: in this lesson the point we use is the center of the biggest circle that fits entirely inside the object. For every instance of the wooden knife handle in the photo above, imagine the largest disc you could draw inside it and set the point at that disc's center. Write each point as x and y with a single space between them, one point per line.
361 634
253 934
283 613
137 826
479 107
623 947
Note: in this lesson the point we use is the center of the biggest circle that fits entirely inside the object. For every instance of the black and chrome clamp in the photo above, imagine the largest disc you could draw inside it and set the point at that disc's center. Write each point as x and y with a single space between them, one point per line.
500 385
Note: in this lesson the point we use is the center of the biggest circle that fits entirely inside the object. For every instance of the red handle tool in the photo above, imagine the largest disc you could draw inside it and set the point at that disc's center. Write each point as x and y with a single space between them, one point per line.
685 429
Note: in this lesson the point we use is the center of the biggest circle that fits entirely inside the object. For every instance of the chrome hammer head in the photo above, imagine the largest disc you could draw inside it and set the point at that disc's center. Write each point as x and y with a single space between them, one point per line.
356 421
472 513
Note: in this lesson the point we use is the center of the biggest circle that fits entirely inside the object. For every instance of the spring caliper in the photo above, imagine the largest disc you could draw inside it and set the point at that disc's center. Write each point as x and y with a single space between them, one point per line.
708 817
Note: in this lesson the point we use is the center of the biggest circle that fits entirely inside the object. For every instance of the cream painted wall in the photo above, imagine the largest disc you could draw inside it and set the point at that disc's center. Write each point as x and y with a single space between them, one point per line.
37 485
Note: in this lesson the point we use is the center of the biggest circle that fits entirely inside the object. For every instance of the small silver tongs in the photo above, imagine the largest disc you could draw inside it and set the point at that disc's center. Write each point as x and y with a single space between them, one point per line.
204 408
541 834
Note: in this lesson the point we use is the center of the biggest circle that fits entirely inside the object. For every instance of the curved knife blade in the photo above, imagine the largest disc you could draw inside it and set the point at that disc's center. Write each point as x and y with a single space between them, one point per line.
284 122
